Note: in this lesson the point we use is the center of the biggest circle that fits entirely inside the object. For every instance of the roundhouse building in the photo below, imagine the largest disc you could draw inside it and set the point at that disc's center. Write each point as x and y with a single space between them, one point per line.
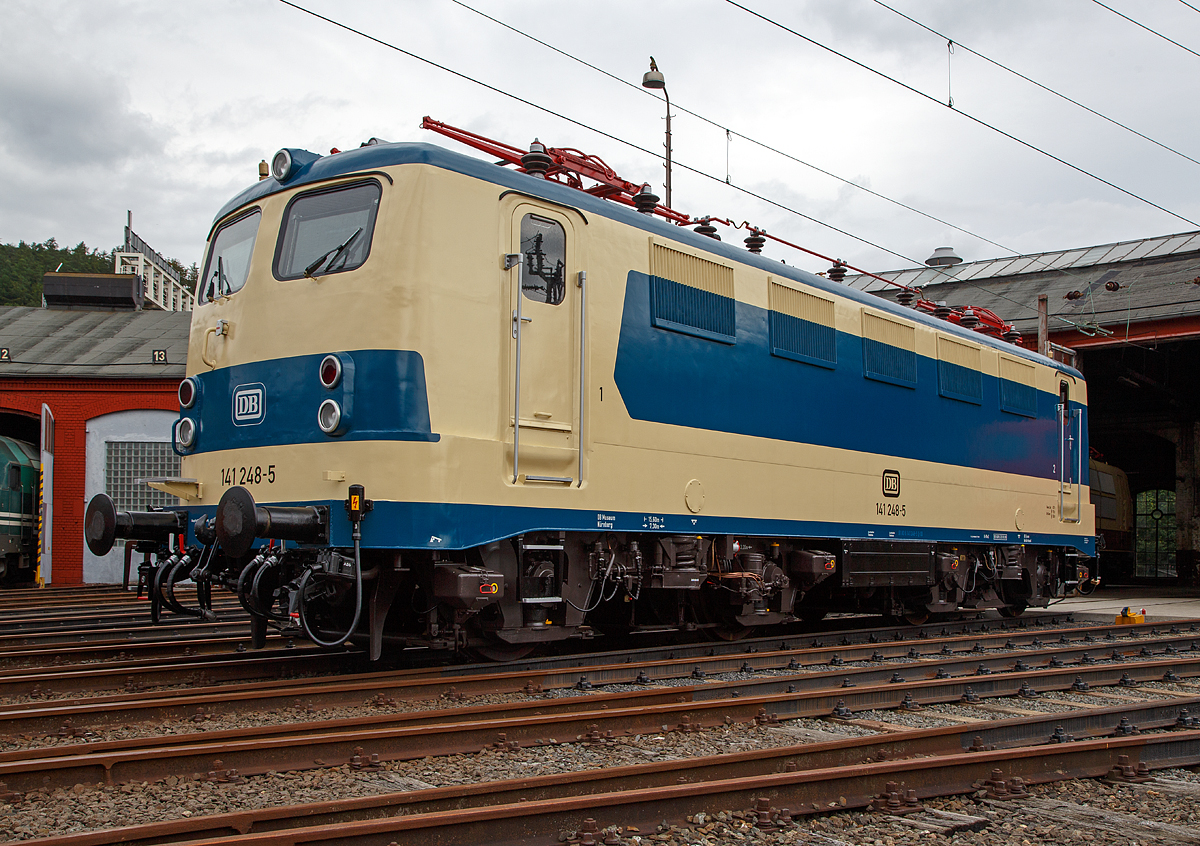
106 371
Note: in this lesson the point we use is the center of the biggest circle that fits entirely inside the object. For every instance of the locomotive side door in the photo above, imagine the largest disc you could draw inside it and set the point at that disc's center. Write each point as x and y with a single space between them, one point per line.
1070 456
546 341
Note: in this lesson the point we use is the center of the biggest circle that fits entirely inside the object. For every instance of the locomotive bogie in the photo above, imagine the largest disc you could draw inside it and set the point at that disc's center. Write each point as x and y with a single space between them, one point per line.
573 418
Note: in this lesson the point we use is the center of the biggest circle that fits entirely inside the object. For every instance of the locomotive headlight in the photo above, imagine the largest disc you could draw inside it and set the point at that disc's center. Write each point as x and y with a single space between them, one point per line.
281 165
185 432
331 371
329 417
189 389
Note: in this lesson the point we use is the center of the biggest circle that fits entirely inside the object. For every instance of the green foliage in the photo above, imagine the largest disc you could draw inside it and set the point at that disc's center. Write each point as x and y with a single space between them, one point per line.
22 266
188 275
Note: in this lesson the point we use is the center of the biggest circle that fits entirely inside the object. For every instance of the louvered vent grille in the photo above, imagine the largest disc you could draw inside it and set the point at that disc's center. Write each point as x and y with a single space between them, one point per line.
889 350
959 375
801 326
691 295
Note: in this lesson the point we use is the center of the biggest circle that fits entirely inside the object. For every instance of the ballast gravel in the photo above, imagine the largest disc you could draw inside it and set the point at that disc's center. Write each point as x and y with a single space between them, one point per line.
84 808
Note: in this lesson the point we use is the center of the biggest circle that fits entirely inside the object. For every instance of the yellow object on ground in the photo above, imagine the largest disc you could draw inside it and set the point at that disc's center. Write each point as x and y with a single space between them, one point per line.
1129 617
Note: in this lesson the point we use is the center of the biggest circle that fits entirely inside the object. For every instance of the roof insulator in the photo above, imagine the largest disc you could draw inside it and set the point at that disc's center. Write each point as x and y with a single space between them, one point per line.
646 201
838 272
754 243
943 311
906 297
537 161
968 319
1012 336
708 229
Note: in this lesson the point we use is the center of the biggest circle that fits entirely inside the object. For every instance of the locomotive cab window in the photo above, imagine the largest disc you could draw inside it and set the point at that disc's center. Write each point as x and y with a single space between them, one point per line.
327 231
228 262
543 260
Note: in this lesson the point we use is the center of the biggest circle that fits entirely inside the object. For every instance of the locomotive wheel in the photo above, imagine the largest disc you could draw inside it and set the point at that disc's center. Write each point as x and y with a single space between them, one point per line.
498 651
916 616
1016 609
728 632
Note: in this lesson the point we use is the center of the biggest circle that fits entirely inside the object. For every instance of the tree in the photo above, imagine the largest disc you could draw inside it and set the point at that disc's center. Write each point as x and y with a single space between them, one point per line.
22 266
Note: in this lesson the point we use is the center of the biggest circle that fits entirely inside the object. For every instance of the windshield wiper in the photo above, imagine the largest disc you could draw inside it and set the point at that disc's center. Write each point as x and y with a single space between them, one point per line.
217 281
332 255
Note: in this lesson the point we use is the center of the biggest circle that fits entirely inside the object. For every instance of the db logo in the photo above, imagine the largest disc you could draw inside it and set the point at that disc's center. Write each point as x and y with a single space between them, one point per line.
249 404
489 588
891 483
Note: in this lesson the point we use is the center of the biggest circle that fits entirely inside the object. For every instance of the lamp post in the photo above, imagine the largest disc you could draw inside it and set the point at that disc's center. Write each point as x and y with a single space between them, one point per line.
653 79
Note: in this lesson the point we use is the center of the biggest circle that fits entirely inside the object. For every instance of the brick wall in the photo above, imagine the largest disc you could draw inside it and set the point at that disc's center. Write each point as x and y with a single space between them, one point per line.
73 402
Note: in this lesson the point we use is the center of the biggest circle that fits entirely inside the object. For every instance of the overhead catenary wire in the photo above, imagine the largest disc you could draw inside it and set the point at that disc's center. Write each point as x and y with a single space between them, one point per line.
1034 82
682 165
1148 29
729 133
967 115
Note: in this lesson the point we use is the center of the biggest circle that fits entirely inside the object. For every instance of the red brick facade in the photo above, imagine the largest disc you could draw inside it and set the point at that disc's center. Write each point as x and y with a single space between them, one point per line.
74 402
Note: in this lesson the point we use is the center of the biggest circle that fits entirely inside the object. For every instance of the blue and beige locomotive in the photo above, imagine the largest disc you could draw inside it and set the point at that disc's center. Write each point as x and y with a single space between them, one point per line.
434 401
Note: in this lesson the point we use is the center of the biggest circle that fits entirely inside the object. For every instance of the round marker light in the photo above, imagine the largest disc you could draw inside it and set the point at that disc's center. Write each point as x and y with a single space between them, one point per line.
329 417
185 433
281 165
331 371
187 392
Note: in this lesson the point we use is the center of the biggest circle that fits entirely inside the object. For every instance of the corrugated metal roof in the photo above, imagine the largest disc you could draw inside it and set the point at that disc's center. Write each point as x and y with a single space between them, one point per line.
1077 257
93 344
1156 279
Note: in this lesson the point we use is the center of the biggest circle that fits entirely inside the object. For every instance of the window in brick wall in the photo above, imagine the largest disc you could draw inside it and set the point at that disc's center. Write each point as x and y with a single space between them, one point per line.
127 462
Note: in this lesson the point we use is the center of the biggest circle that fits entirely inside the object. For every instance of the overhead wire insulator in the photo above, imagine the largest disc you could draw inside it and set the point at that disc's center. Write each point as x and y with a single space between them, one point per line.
537 161
646 201
755 242
1073 295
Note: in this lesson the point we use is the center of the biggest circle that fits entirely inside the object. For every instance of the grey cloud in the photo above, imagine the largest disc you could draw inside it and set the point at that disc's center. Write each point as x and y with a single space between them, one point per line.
58 112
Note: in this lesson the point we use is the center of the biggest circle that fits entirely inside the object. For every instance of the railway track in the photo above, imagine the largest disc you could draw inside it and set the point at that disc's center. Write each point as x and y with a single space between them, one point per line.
370 723
786 670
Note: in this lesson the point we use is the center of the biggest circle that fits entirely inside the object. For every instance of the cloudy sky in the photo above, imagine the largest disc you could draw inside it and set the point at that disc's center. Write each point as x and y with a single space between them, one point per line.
167 107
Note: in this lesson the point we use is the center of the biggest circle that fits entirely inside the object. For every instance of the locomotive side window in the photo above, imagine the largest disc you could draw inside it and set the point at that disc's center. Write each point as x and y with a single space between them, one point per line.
544 260
228 262
327 231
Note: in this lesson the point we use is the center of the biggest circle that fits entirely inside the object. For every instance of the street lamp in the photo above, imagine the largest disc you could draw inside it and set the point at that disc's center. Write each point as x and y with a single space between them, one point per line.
653 79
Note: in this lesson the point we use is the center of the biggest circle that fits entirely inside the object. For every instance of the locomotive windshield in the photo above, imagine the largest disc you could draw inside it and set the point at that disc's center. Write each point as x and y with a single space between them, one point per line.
228 262
327 231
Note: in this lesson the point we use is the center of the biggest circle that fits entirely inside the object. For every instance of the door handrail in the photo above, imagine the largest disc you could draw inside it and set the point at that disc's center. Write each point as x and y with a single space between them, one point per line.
1065 414
582 283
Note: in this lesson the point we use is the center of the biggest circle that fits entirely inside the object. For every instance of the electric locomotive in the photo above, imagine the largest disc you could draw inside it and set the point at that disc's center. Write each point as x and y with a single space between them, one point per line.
435 401
18 510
